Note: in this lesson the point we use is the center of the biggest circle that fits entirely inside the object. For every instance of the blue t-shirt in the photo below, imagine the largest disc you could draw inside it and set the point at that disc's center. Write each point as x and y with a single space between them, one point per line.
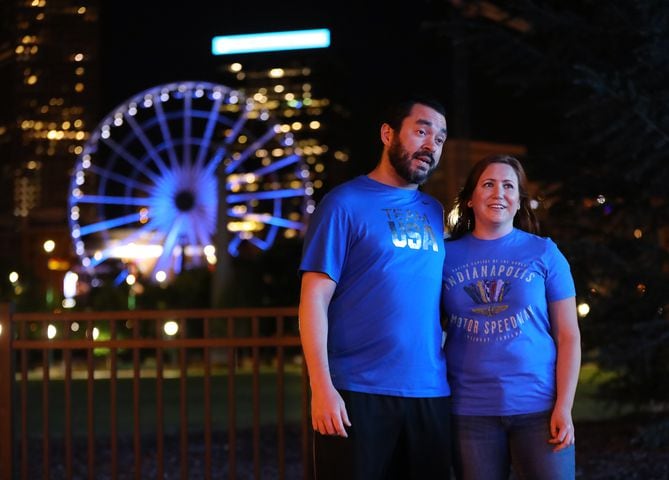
500 352
383 246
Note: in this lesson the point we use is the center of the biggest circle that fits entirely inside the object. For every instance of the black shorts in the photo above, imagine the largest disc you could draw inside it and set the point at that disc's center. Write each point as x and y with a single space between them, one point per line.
391 438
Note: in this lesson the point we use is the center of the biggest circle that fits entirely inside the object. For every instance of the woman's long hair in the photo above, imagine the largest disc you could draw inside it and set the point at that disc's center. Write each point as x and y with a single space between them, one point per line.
461 219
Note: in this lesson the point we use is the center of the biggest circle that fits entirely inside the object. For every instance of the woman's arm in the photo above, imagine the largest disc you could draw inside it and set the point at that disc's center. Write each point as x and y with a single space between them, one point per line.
564 324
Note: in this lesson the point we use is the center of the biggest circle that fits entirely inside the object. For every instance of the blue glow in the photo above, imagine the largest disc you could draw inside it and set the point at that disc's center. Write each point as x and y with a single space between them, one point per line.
209 132
270 42
245 197
250 150
107 224
121 152
125 180
149 174
120 278
106 199
279 164
141 136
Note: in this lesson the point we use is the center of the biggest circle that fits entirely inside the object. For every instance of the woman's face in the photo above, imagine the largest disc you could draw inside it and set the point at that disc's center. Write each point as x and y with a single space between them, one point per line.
496 198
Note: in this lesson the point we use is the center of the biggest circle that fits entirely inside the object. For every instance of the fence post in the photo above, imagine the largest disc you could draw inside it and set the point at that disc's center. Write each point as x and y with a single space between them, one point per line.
6 392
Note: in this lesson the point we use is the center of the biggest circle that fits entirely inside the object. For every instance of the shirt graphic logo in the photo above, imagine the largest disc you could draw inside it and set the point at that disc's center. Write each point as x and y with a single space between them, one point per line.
411 229
489 294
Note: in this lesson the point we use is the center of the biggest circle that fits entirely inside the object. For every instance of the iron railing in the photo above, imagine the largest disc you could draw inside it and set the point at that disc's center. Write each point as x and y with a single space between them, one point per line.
220 393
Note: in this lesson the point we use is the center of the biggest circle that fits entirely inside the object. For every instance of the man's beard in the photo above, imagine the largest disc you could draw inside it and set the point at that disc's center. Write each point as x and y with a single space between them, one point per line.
401 160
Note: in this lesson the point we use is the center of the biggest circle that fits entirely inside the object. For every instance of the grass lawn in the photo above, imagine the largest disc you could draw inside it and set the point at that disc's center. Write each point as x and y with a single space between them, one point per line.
148 406
586 406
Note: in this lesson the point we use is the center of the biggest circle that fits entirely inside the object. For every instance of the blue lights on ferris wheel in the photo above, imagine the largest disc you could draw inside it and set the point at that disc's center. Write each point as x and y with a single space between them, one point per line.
146 188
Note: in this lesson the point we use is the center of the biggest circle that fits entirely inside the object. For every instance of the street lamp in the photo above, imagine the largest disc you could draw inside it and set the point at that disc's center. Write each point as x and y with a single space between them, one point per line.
49 246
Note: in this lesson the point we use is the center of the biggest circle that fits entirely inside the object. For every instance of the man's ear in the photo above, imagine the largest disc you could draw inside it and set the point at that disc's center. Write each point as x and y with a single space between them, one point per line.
387 133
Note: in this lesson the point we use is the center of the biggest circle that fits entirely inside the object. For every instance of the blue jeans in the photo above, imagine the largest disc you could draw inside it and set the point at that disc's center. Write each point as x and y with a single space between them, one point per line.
488 447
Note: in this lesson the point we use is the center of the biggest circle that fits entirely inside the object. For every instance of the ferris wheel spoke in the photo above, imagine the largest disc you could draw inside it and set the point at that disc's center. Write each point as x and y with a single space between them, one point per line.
122 179
168 247
112 200
187 127
261 244
195 233
165 131
220 152
216 160
209 130
251 149
233 245
277 208
108 224
192 236
278 165
237 127
271 194
146 143
266 219
134 162
201 235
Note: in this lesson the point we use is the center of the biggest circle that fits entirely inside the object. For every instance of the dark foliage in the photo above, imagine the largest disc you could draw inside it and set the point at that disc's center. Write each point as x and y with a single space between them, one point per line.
593 77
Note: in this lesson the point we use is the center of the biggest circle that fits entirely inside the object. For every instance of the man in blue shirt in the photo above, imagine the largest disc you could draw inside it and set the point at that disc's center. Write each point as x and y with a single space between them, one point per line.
369 312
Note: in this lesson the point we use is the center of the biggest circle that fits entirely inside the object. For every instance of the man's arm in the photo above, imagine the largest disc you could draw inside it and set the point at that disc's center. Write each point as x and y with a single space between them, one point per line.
328 412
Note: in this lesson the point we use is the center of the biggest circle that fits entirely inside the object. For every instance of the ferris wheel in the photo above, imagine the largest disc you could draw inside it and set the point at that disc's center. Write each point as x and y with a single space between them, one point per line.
146 188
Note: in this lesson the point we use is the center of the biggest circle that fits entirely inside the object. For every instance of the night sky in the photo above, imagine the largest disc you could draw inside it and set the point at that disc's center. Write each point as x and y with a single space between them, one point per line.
377 51
145 43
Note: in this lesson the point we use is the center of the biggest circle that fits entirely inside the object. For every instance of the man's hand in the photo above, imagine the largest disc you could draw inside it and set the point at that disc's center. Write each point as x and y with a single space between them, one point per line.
328 412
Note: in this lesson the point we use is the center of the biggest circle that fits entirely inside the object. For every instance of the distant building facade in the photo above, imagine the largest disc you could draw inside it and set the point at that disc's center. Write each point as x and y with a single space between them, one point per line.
295 88
49 91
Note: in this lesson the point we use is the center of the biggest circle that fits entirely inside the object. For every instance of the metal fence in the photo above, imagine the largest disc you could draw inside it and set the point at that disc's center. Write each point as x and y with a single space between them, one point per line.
220 393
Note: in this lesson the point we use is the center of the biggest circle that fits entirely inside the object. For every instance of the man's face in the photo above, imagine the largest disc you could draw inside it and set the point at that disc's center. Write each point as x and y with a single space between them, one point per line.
415 150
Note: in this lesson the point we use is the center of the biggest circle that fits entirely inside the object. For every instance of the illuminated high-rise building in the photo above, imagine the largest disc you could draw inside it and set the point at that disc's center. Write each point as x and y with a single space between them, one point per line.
295 86
49 91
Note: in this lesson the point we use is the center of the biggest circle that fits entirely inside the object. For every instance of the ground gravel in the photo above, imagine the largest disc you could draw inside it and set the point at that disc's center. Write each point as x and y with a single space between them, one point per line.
631 448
